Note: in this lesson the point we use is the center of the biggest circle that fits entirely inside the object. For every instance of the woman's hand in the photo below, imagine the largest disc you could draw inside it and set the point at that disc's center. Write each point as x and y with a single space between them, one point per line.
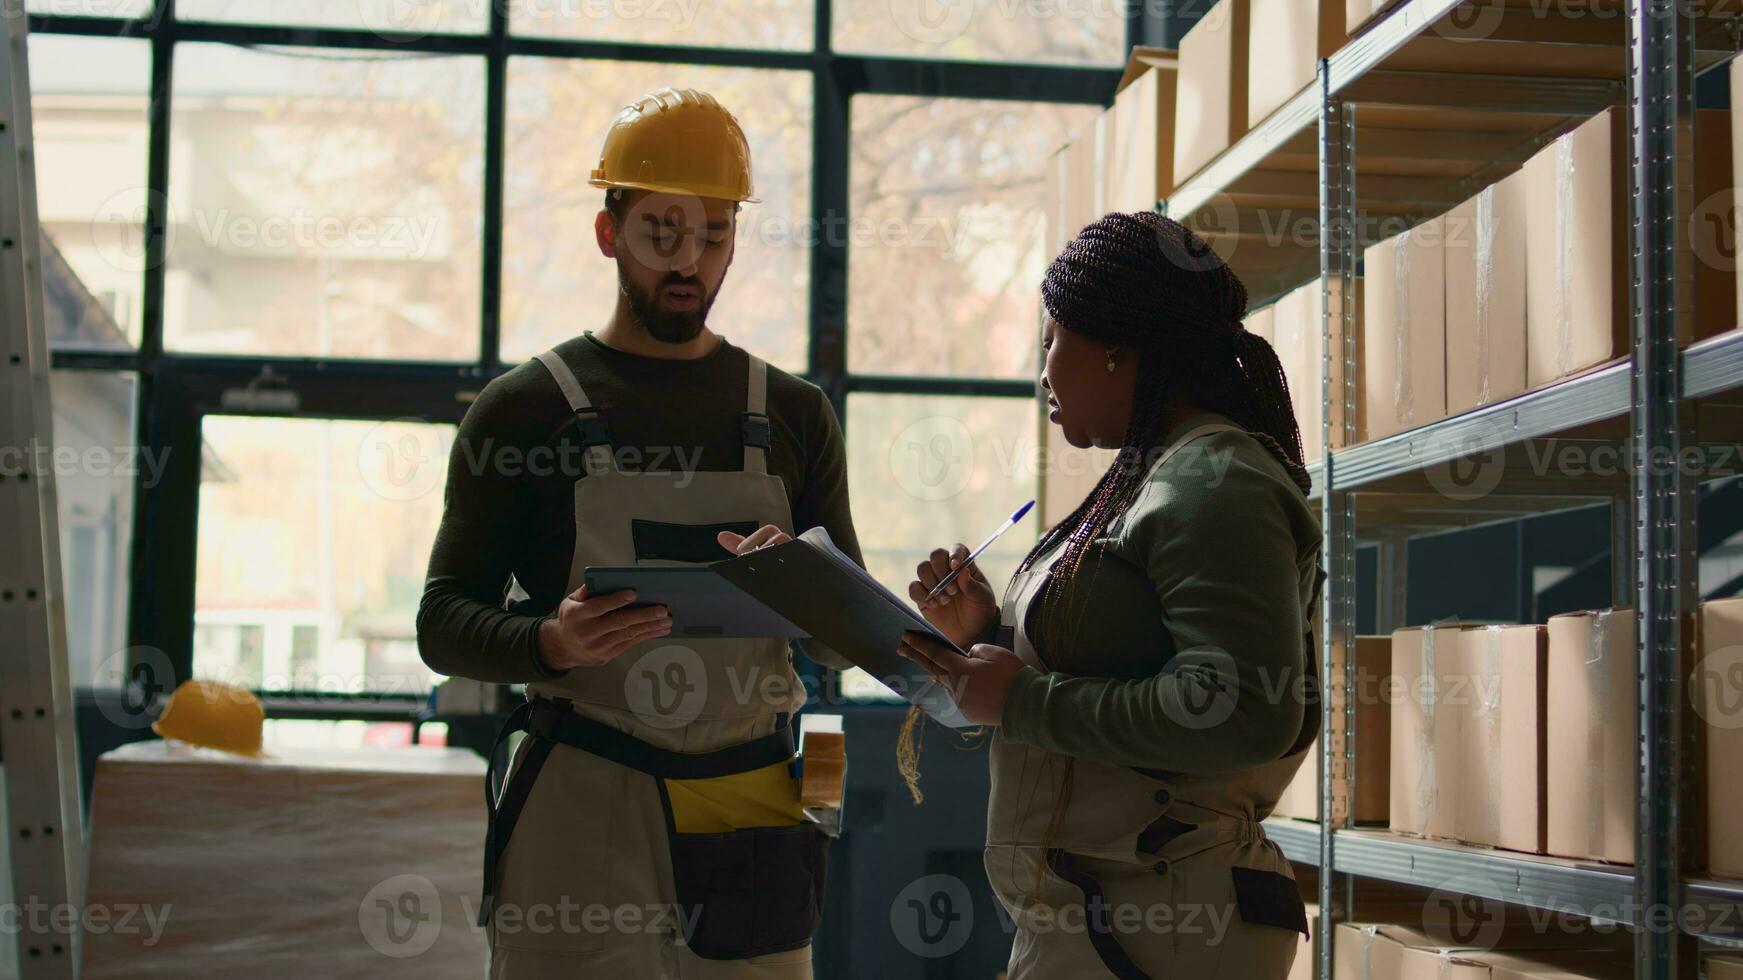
977 683
966 608
740 544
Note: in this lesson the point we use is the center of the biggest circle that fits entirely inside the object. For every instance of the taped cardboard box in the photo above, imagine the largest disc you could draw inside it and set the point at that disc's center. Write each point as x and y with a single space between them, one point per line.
1498 768
1425 734
1373 721
274 864
1286 39
1576 234
1577 313
1384 951
1485 297
1719 705
1211 97
1404 331
1593 724
1138 167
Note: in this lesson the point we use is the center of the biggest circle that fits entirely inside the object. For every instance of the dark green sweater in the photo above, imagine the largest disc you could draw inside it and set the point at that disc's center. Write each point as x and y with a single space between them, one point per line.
510 497
1217 552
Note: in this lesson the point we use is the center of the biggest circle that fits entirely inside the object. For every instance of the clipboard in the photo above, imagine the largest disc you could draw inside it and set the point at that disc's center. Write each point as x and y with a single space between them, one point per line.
817 587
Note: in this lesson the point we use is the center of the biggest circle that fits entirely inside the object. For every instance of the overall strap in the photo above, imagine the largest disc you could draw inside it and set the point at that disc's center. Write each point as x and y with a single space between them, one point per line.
590 420
754 424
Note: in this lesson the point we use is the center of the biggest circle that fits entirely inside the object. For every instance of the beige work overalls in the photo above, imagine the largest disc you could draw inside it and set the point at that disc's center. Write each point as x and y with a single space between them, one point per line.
1148 873
591 876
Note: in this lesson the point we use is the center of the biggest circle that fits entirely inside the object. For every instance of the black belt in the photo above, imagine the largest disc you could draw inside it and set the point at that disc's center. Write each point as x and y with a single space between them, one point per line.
551 721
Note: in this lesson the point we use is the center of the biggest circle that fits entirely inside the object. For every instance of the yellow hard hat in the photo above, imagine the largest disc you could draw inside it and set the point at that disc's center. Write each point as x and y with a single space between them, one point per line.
213 715
680 141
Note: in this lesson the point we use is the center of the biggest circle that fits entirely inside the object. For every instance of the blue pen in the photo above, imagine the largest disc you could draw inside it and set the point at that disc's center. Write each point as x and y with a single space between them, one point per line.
984 545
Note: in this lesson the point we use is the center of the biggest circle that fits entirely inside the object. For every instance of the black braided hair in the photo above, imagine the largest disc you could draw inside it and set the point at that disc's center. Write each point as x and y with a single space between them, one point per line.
1147 283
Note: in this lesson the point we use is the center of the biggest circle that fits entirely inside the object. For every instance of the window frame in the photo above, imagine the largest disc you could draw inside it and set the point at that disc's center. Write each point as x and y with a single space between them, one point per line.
176 389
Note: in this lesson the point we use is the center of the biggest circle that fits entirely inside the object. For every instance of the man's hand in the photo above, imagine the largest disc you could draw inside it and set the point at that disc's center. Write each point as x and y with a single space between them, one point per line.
977 683
592 630
740 544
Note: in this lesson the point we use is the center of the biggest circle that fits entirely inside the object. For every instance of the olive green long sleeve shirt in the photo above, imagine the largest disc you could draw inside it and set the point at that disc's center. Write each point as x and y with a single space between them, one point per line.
1199 587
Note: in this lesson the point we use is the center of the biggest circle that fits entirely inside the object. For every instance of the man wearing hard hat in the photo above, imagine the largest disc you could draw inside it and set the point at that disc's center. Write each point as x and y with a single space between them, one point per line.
650 825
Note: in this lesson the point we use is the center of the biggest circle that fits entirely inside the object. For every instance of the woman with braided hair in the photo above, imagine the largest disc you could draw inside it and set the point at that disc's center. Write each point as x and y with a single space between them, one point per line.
1150 669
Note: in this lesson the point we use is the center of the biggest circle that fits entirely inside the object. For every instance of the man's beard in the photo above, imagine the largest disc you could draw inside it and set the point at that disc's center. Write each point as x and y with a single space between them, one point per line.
667 326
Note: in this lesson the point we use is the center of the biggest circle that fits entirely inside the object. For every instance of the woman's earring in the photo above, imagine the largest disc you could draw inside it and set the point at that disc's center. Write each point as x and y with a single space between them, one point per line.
1110 362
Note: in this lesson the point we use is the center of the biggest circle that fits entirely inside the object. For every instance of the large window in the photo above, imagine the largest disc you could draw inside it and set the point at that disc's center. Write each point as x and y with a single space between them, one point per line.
399 16
313 541
1090 32
948 213
770 24
325 203
268 220
88 100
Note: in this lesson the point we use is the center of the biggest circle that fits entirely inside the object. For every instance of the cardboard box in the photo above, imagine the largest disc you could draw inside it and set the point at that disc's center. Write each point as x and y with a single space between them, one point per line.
1264 323
1138 167
1373 743
1426 732
1719 706
1211 97
1306 965
1714 245
1054 207
1404 331
1285 40
1292 321
1360 13
1075 178
274 864
1299 339
1384 951
1593 724
1569 964
1498 767
1724 967
1485 297
1576 237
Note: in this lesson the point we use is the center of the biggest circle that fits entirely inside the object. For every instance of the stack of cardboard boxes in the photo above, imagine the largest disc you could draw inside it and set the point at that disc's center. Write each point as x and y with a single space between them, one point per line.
1241 61
1385 951
1524 284
1525 737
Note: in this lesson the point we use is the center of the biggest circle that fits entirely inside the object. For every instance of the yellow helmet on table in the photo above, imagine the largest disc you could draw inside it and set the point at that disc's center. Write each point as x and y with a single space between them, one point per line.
678 141
213 715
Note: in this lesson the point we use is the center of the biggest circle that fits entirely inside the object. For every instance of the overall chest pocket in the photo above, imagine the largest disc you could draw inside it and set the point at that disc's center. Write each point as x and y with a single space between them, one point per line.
664 541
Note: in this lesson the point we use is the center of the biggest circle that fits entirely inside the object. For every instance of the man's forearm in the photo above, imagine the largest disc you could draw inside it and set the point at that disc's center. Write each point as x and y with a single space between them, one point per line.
462 637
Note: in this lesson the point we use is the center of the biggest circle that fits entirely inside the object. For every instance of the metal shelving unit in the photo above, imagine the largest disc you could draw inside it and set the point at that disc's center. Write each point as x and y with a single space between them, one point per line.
1451 96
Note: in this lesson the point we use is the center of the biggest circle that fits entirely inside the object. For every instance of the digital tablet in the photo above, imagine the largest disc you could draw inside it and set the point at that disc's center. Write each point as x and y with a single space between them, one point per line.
702 603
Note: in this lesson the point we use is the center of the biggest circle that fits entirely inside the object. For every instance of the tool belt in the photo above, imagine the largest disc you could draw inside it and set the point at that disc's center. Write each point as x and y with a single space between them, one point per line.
740 894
